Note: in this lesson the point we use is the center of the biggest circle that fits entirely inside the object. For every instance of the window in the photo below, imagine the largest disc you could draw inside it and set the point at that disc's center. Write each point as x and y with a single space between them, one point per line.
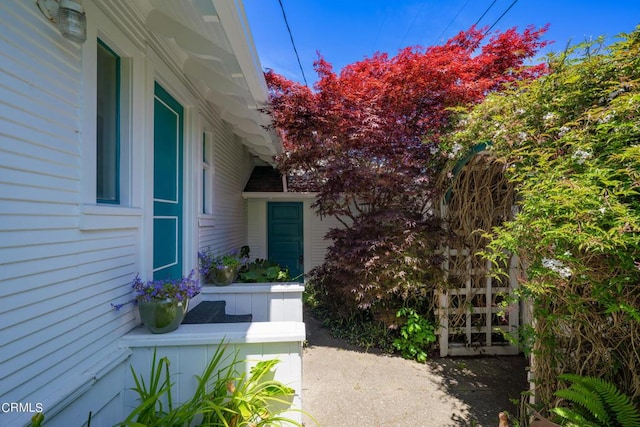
107 126
114 97
207 174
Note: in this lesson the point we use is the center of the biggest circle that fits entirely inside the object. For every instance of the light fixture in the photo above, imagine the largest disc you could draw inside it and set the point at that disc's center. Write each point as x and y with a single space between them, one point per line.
68 15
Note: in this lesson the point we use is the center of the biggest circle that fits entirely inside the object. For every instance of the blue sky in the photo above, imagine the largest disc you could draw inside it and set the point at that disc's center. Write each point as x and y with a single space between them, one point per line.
345 31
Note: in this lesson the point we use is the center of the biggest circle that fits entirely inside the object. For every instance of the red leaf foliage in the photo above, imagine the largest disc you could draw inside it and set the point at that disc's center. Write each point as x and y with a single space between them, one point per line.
366 125
367 139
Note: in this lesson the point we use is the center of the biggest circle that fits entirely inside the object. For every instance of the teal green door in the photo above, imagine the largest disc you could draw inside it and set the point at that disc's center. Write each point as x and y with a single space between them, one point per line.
285 238
167 185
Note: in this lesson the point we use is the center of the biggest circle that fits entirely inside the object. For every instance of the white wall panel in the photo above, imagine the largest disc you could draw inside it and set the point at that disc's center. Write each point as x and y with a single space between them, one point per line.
233 166
63 259
56 281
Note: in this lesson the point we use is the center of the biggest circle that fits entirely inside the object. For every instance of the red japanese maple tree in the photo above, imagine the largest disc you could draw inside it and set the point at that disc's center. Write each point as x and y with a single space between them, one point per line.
367 139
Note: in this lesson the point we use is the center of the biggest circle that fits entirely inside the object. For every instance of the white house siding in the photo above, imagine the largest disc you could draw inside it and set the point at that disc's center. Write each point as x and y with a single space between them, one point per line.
257 227
232 165
319 244
63 259
56 281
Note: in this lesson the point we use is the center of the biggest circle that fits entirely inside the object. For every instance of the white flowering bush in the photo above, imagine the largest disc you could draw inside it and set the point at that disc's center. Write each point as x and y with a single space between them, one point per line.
570 143
557 267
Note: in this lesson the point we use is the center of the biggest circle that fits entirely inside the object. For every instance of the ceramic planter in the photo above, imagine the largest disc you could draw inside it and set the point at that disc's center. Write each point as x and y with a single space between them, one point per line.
162 316
223 276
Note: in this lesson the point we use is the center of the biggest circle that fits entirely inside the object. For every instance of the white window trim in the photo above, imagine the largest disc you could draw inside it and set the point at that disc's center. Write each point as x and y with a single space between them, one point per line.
131 112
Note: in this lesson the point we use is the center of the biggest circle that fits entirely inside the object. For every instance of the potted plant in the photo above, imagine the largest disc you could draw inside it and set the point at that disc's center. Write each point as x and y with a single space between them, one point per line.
221 269
163 303
262 271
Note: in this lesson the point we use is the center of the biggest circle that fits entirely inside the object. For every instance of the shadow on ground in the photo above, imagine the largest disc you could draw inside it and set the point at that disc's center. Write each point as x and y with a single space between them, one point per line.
486 384
344 385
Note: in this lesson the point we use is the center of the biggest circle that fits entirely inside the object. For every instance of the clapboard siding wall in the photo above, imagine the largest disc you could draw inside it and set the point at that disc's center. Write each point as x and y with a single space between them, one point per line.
64 261
56 281
257 227
319 243
232 166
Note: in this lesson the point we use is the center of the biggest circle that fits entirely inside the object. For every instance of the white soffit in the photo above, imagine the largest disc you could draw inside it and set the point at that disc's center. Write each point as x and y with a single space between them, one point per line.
219 52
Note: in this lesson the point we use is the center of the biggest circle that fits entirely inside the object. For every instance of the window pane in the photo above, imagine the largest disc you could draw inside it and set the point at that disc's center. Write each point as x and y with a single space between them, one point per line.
204 191
205 154
206 174
107 125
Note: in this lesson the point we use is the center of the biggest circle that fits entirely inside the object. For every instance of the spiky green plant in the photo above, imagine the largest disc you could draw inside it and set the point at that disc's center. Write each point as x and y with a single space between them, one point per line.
225 396
595 402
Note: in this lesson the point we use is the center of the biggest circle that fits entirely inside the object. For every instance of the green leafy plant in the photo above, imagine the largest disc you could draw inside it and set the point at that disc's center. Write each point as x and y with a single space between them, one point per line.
224 396
568 143
595 402
153 408
416 336
209 260
37 419
257 399
262 270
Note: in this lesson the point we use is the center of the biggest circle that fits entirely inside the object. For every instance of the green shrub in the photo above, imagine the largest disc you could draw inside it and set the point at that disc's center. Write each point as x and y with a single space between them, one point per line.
417 335
262 270
568 142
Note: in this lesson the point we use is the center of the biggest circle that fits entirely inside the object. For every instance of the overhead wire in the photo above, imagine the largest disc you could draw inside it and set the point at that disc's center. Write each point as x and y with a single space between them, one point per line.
500 17
451 22
485 12
375 42
412 22
480 18
286 21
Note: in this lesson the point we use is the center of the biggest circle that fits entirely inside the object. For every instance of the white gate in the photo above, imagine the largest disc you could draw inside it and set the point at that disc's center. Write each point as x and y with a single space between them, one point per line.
473 312
473 308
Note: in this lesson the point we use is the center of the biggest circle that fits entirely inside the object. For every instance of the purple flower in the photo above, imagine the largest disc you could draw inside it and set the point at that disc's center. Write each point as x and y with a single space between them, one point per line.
119 306
174 289
208 260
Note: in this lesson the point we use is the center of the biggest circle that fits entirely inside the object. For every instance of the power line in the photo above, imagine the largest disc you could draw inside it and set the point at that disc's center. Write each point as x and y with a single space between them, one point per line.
284 15
451 22
485 12
500 17
375 42
412 22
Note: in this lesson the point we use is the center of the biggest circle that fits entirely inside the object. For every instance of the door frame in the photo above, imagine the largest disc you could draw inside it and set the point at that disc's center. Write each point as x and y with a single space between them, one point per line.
158 71
303 227
172 207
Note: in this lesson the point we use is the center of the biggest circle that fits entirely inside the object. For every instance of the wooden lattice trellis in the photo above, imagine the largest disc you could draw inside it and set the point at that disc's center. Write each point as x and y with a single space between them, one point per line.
471 309
472 318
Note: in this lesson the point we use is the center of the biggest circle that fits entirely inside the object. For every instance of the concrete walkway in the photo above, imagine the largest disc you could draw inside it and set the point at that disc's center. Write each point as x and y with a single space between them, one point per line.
346 386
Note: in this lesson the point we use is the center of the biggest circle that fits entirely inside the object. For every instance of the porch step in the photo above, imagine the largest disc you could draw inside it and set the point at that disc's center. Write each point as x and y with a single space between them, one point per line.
213 312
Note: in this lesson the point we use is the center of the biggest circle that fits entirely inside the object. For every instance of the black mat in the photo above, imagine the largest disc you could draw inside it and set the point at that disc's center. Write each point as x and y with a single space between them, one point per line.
213 312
